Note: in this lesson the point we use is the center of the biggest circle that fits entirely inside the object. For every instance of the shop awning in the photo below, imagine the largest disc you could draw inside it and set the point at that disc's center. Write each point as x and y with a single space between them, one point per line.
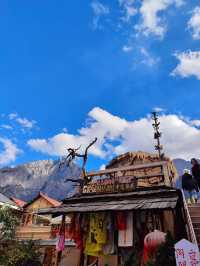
136 201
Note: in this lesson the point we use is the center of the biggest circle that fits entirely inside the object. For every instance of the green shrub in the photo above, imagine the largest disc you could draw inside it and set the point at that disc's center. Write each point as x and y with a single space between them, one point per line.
20 254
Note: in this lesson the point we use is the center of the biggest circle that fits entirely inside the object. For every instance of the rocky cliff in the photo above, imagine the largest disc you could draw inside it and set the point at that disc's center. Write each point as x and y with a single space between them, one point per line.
25 181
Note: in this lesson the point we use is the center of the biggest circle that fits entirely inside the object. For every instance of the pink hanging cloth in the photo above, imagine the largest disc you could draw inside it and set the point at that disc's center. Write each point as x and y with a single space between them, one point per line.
60 245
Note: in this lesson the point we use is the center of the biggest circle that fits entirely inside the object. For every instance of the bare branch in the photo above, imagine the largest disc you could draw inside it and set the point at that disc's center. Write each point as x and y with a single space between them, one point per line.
72 154
73 180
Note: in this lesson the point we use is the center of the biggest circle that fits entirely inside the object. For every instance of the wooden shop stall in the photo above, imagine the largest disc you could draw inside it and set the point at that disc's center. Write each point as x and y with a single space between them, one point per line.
126 209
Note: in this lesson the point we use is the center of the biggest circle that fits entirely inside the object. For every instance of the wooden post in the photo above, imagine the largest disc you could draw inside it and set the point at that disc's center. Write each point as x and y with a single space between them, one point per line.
157 134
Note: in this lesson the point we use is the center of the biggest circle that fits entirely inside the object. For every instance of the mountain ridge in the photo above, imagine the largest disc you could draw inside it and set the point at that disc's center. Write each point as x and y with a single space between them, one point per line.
25 181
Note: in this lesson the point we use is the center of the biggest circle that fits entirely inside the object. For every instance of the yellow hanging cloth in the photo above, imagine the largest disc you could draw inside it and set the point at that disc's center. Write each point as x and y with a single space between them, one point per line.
97 234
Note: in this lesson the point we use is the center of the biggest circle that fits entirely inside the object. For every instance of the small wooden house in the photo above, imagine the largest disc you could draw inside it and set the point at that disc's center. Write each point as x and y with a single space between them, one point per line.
34 226
136 187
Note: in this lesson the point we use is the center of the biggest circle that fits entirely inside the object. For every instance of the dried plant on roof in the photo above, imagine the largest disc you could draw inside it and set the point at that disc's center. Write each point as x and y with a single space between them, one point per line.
72 155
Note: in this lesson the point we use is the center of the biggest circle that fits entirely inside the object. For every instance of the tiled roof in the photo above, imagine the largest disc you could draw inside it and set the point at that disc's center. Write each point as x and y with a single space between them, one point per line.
6 200
19 202
146 199
54 202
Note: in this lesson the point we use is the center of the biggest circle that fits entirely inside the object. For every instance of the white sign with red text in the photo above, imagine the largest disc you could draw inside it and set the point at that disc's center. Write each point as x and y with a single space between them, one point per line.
187 253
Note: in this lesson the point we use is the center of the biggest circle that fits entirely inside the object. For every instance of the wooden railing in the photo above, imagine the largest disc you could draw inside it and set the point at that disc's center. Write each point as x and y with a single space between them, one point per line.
129 177
189 225
34 232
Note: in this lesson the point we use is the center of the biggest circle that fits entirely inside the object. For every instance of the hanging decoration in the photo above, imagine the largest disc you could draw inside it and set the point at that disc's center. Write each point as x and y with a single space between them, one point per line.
151 242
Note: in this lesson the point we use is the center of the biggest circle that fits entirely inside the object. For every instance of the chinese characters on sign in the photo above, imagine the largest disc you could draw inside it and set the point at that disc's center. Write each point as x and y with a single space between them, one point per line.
187 253
109 185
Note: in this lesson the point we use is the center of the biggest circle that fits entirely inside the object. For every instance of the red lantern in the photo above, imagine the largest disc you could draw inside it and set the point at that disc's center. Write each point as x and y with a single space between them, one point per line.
154 239
151 242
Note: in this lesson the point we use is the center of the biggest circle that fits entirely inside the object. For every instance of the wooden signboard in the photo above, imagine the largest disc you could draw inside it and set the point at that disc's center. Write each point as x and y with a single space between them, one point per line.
111 185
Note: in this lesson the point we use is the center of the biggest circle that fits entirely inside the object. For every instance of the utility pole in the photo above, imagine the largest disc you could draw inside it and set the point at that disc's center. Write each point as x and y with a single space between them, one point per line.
157 135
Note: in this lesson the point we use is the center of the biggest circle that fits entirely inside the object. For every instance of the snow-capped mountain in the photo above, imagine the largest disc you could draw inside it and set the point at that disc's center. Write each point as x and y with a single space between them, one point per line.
25 181
181 165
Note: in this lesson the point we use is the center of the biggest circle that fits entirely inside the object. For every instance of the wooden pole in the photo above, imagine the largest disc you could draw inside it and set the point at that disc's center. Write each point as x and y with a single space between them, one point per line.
157 134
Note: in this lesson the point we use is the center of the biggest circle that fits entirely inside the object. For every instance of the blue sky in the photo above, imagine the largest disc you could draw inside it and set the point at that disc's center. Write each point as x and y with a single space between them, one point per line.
73 70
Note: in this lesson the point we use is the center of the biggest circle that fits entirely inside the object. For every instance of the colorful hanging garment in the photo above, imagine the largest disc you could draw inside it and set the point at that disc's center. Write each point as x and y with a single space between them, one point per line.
69 227
77 232
121 220
60 245
109 247
97 235
125 237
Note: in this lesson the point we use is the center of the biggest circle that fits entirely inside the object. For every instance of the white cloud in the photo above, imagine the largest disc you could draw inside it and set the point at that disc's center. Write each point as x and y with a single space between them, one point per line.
102 125
12 116
22 121
195 123
99 10
148 59
9 152
25 123
116 135
5 126
102 167
128 9
194 23
152 23
126 2
158 109
64 130
127 48
189 64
